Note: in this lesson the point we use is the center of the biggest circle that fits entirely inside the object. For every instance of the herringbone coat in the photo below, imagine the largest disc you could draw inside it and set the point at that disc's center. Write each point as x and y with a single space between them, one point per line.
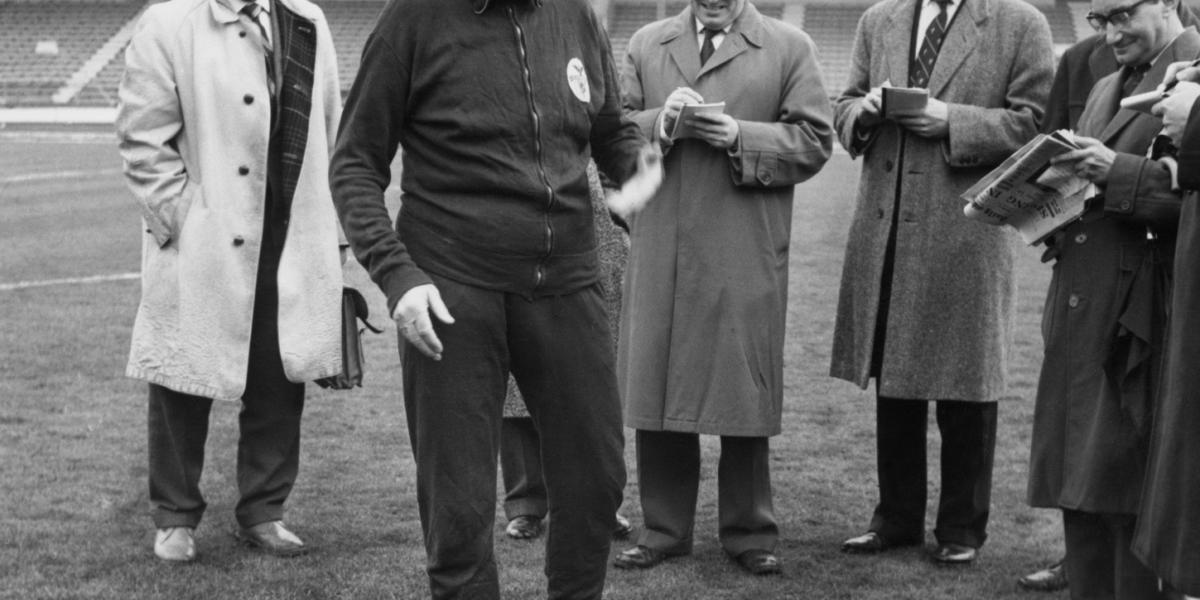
950 308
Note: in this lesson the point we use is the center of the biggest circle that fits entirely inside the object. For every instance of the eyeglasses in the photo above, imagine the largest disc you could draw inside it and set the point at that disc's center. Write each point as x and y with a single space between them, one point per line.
1119 17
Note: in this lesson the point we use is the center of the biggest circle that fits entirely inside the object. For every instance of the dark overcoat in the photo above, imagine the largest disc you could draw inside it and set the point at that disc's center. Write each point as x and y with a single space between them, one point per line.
1168 534
701 341
1104 315
950 307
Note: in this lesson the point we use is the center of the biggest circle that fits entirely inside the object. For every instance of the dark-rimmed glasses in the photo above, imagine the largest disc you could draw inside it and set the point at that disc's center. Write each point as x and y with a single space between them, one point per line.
1119 17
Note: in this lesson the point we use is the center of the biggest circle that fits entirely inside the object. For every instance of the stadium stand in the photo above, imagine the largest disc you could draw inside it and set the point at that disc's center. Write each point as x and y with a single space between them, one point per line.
71 36
45 43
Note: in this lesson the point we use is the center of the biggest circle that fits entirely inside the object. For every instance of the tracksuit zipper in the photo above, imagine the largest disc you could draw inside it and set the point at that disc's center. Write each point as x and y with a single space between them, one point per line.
539 274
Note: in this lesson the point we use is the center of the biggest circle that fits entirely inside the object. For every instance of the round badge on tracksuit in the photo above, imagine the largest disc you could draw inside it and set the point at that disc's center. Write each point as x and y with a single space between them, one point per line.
577 79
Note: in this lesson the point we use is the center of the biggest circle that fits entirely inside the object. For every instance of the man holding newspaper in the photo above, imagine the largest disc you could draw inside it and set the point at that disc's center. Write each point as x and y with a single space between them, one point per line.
1105 310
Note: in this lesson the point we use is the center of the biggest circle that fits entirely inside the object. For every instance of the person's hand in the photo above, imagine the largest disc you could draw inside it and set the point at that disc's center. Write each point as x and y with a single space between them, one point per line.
872 108
932 123
1053 246
1092 161
1181 71
1175 108
719 130
675 102
640 188
412 315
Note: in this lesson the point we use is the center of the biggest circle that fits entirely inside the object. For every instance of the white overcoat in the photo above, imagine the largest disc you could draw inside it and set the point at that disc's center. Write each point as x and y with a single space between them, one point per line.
194 127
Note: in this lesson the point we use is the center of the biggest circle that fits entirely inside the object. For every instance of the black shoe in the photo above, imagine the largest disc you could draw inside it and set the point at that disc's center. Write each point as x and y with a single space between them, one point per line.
760 562
1050 579
639 557
524 527
950 553
872 542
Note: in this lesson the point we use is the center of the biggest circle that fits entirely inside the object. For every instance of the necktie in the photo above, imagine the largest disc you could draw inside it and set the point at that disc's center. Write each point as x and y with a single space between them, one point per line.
922 64
707 48
253 11
1133 78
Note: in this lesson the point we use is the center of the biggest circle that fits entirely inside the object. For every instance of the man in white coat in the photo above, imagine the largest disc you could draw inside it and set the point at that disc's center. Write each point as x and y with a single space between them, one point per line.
227 113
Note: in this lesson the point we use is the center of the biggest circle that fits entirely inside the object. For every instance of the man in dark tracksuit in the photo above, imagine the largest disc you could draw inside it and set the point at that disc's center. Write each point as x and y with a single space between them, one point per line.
498 105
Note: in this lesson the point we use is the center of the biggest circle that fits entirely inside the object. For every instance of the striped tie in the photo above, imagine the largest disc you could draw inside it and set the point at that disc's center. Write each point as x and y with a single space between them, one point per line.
253 11
922 65
707 48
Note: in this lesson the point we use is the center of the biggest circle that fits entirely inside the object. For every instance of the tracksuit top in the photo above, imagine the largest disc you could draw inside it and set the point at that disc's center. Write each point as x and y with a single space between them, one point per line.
496 107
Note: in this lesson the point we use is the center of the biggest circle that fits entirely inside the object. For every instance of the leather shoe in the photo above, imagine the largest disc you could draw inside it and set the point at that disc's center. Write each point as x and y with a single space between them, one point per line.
760 562
175 544
1050 579
623 528
872 542
273 538
524 527
950 553
639 557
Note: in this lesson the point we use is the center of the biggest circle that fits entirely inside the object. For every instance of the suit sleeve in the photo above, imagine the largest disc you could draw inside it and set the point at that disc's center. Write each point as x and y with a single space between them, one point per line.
1058 110
795 147
985 136
633 99
1139 189
1189 152
149 118
847 107
360 169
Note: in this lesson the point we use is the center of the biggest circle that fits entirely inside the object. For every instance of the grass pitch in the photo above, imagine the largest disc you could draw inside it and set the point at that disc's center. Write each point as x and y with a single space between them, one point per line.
73 510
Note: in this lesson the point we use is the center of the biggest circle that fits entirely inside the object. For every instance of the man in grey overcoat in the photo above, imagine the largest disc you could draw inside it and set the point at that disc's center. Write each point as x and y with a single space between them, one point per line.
701 342
926 300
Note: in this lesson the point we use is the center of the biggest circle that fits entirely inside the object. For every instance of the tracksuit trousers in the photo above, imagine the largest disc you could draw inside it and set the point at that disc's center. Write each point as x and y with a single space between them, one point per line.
559 350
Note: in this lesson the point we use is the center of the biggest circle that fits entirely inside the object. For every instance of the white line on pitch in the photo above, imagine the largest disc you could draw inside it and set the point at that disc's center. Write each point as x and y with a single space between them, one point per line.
20 285
28 177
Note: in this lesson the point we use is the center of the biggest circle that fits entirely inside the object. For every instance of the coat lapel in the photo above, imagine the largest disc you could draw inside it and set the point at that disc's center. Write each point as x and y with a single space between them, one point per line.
682 47
897 42
1185 47
960 42
746 31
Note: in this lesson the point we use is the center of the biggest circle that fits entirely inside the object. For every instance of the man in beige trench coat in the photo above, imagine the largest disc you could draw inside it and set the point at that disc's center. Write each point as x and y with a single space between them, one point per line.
227 113
926 298
701 342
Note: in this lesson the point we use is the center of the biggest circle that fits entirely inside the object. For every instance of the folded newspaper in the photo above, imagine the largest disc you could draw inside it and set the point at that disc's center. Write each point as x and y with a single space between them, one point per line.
1028 193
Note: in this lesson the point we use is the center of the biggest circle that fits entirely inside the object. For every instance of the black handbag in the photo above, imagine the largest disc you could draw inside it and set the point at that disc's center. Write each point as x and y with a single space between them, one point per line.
354 308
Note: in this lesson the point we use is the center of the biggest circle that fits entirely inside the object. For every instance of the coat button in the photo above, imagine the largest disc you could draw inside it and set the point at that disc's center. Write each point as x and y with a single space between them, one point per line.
888 166
243 170
1073 301
238 241
242 34
248 99
1081 238
1125 205
879 212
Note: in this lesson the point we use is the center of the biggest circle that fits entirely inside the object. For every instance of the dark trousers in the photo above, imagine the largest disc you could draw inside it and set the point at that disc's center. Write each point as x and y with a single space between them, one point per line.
521 468
268 457
669 480
968 431
559 350
1100 564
